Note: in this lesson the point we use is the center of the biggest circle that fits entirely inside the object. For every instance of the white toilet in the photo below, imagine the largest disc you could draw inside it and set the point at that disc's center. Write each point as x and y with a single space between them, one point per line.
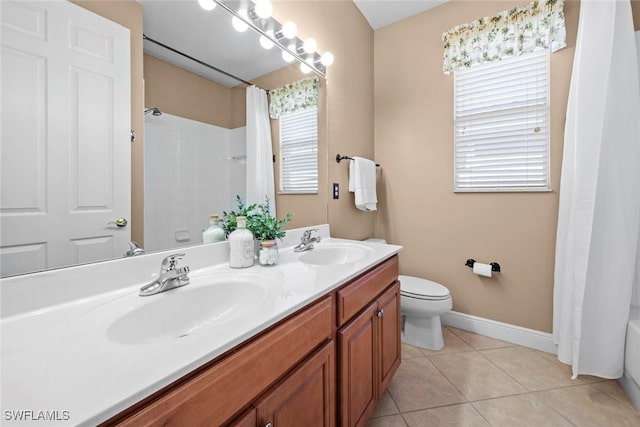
421 304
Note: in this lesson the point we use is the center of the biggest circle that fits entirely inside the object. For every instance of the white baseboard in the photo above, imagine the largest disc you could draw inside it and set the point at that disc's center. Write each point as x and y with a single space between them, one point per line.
503 331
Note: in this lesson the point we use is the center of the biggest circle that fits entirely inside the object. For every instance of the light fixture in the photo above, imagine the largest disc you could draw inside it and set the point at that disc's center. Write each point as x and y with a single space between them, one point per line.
263 8
207 5
326 59
271 32
287 56
289 30
310 45
305 68
240 25
265 42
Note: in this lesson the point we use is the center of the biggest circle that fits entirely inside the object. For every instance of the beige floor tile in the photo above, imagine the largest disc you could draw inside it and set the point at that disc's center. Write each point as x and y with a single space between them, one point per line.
475 376
388 421
522 410
409 351
530 369
385 406
586 406
479 342
582 379
452 344
419 385
451 416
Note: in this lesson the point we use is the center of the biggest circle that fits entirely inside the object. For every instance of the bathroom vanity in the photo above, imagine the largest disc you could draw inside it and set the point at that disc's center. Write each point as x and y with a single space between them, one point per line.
312 341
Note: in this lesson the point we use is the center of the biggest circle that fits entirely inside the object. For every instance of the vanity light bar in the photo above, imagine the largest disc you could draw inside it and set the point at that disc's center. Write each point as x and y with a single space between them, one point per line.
262 26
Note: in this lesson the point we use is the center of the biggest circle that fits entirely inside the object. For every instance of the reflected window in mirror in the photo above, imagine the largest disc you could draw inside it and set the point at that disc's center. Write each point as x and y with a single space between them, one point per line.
295 106
299 151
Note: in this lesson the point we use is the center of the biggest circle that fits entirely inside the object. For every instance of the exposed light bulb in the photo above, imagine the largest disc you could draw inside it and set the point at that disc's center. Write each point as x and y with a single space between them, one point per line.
265 42
310 45
207 5
289 29
287 56
305 68
264 8
326 59
238 23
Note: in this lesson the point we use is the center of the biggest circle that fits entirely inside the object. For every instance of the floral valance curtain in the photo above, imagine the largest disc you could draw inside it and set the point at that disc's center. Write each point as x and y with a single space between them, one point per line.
293 97
509 33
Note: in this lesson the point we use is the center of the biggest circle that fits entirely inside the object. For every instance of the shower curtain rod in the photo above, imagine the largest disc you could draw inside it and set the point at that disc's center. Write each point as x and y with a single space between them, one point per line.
145 37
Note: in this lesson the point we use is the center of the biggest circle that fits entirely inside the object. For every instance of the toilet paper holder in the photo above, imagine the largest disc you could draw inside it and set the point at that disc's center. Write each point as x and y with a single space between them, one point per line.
494 265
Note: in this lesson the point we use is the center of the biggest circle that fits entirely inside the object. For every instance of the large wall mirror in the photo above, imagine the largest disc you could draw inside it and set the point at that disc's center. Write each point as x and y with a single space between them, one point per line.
193 136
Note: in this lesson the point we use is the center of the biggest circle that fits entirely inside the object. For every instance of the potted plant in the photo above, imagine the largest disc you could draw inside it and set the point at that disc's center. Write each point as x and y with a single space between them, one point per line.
266 228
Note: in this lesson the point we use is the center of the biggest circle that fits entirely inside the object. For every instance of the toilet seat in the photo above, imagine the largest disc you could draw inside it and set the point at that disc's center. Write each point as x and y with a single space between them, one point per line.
422 289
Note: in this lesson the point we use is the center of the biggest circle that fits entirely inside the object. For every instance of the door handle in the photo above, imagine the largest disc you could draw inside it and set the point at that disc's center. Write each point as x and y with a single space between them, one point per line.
120 222
380 312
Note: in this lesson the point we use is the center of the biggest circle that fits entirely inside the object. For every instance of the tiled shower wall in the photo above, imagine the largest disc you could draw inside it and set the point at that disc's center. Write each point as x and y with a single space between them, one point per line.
192 170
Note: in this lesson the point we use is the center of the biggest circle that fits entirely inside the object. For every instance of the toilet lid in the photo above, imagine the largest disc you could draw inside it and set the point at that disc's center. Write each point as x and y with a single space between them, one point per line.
416 287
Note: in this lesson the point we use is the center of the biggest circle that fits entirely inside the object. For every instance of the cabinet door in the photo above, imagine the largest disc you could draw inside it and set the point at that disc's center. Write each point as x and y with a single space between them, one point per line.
389 335
357 347
248 419
306 397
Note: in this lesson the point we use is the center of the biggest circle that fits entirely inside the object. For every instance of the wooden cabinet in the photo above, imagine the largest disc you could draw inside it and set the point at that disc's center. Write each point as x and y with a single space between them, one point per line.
286 376
368 345
222 390
306 397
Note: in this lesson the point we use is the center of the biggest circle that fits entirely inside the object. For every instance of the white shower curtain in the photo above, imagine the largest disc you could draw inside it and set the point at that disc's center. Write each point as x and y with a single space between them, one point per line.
599 210
260 183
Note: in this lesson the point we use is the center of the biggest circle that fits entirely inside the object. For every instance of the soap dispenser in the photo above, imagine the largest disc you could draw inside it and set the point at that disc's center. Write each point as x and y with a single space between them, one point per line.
214 233
241 245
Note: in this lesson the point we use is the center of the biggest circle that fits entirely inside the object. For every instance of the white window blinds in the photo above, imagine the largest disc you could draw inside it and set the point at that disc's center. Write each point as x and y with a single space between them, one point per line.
501 121
299 151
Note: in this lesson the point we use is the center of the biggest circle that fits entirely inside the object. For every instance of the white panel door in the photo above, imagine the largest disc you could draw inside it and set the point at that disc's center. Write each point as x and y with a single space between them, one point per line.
65 153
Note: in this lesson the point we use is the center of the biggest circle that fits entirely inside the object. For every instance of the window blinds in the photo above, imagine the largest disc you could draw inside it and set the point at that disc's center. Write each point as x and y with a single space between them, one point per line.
501 121
299 151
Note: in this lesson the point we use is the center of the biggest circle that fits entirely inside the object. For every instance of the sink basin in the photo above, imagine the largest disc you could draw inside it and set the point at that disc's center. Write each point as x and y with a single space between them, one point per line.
335 254
184 311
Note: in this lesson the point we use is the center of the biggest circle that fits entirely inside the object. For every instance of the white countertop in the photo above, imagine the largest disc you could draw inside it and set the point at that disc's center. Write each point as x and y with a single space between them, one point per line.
60 358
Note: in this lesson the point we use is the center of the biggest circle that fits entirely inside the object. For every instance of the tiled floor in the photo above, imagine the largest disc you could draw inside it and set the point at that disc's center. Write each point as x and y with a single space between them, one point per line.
479 381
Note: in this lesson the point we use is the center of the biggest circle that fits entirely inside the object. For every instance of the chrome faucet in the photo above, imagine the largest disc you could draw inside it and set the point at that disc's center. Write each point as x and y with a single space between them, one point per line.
306 242
134 250
171 276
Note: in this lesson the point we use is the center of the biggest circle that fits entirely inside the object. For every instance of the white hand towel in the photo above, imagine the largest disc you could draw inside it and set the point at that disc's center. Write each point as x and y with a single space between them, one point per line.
362 182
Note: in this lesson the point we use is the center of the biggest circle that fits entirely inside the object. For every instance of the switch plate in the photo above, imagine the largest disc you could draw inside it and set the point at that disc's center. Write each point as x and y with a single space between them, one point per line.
336 190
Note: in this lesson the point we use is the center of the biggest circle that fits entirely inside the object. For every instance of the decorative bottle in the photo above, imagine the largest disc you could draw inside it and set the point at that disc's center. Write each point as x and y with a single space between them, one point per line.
241 245
214 233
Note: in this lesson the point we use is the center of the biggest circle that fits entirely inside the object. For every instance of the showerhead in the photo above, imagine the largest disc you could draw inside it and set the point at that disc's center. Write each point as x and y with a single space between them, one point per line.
153 111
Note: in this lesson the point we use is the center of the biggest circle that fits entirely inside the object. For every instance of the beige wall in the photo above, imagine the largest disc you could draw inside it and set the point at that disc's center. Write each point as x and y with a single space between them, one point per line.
441 229
128 13
182 93
338 27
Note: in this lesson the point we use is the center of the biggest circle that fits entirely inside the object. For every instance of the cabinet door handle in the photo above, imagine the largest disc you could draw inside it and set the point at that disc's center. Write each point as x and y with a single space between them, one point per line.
268 425
381 312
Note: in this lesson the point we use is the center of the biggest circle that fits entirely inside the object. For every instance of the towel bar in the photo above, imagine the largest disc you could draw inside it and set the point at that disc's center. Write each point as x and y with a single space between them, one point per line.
339 158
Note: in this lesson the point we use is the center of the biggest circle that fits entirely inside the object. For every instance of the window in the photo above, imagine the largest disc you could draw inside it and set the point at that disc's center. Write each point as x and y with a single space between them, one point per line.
501 119
299 151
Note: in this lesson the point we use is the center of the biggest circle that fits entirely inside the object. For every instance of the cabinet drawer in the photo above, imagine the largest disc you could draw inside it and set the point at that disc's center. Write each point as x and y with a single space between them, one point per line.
219 392
361 291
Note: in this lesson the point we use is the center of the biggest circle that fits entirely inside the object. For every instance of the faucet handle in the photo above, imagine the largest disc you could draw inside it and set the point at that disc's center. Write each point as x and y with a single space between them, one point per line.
170 262
307 233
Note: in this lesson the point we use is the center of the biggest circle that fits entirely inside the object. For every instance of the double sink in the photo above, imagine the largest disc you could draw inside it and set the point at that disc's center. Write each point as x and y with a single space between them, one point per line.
209 302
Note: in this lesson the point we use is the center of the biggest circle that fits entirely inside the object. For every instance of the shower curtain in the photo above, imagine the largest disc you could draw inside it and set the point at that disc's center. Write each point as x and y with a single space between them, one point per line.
260 183
598 219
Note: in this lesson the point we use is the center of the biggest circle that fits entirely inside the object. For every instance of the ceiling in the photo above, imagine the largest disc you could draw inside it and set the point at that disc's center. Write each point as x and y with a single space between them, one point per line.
210 38
384 12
